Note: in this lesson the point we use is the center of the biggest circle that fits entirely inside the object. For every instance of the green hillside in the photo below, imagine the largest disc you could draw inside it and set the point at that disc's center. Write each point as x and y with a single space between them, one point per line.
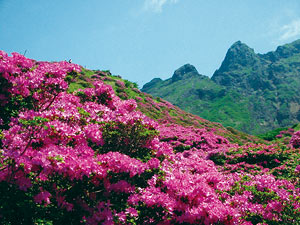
157 108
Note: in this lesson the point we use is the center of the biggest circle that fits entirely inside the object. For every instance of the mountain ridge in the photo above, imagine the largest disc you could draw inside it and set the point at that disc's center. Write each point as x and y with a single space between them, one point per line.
251 92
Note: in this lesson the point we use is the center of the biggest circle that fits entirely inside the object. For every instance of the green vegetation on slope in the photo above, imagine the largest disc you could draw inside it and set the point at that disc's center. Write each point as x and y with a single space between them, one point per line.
155 107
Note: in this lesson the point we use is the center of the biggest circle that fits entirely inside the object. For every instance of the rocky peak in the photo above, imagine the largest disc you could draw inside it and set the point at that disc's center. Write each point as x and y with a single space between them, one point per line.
236 68
239 54
288 49
284 51
182 71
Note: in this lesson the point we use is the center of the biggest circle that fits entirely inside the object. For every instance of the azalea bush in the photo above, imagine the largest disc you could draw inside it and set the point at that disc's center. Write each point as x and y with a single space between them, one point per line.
265 181
295 140
87 157
184 138
277 159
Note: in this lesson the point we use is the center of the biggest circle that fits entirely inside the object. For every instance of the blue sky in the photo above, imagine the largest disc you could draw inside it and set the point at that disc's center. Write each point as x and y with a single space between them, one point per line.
143 39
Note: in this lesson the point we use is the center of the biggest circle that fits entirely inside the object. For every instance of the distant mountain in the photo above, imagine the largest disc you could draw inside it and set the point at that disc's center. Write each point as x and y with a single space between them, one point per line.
251 92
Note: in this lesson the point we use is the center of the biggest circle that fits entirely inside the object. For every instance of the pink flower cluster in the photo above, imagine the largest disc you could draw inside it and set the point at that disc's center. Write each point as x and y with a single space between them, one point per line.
183 138
66 152
295 140
120 84
262 195
27 77
55 136
285 133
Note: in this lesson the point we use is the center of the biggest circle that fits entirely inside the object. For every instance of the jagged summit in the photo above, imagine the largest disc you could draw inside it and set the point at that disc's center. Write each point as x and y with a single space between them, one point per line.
185 69
239 48
288 49
238 54
238 44
238 57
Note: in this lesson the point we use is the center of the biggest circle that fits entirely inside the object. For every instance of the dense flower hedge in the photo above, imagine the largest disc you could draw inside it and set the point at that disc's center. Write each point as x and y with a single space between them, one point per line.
89 157
295 140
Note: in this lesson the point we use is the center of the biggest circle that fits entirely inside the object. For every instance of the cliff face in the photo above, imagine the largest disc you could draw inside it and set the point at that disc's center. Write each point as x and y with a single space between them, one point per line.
250 92
241 68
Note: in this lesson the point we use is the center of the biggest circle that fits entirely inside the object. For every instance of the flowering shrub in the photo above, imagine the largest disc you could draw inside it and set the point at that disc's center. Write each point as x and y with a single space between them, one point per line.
254 168
262 198
285 133
58 149
295 140
277 159
120 84
89 157
183 138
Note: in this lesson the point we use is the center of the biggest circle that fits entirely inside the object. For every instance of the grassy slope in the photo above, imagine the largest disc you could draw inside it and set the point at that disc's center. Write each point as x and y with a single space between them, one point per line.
157 108
213 103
